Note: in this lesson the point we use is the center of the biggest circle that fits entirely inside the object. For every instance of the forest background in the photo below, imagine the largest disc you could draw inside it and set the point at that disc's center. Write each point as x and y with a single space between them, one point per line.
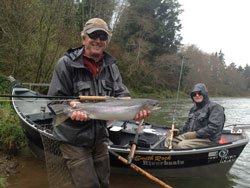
146 41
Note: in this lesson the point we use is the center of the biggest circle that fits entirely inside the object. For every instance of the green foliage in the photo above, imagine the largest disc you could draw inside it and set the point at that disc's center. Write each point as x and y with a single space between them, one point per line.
3 182
146 41
221 80
159 93
147 89
4 84
11 133
30 55
246 74
151 26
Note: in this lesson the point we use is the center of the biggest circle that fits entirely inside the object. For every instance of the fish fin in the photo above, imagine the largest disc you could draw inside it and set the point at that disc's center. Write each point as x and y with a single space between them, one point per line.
58 110
110 123
60 119
156 108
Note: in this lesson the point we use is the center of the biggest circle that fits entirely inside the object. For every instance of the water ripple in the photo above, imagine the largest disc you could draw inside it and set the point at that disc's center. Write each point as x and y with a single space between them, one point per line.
237 111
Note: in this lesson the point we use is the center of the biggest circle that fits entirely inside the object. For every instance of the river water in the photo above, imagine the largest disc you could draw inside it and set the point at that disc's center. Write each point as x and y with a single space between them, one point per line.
32 172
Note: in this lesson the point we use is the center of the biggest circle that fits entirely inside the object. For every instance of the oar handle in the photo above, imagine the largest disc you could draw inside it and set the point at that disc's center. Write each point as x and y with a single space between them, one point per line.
131 153
102 98
132 150
140 170
171 137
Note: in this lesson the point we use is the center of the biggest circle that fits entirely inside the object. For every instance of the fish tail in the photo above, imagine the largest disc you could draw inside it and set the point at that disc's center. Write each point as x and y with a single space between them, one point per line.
59 111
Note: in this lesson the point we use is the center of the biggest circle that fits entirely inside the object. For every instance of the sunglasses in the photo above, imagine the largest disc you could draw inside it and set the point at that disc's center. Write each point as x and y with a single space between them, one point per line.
196 93
101 36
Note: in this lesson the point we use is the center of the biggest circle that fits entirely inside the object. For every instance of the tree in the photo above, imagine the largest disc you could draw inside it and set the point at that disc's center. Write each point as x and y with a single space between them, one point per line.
240 69
209 69
34 35
147 31
247 75
221 57
153 21
87 9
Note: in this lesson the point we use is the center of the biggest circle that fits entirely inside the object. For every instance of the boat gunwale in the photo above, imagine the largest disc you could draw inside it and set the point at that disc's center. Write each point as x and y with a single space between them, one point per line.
123 149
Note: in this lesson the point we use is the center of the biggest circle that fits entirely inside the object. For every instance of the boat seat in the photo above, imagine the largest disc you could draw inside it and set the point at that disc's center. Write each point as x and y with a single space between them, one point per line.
145 140
40 116
123 137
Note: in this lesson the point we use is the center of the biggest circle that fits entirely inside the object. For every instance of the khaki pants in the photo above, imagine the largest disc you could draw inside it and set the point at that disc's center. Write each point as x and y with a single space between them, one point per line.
179 142
89 167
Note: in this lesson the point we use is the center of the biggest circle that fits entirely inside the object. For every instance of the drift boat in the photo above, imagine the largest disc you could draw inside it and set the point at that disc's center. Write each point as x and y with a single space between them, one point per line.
150 154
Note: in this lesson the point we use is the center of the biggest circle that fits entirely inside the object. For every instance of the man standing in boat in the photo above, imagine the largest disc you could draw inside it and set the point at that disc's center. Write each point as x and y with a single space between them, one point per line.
204 124
88 71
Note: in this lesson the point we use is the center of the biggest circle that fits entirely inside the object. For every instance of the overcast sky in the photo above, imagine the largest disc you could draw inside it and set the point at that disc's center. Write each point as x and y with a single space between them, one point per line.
214 25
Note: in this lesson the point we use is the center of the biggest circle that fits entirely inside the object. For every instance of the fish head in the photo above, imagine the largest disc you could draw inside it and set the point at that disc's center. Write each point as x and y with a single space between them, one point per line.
152 105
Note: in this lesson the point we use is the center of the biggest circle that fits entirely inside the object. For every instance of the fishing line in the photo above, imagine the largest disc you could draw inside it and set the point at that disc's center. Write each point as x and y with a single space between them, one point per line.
178 90
176 101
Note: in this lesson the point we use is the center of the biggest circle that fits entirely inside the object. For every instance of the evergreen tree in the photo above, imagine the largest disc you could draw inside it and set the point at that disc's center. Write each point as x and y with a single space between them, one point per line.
247 75
154 22
240 69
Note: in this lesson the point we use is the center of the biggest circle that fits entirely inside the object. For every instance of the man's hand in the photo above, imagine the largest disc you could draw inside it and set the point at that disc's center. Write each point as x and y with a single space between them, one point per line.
77 115
143 114
175 132
190 135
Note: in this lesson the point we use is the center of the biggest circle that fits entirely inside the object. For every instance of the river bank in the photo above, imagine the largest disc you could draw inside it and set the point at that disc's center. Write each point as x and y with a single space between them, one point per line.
8 167
14 168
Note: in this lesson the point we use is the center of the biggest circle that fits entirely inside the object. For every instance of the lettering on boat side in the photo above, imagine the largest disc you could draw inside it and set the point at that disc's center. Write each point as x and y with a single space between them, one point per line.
152 158
213 155
225 158
158 160
228 159
163 163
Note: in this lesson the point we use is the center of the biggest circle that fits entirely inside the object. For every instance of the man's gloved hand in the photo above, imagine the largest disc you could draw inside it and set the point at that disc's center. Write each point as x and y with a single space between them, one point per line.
190 135
175 132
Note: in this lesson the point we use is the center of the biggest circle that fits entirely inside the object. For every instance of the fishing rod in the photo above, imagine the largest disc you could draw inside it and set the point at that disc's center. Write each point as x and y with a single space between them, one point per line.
101 98
174 112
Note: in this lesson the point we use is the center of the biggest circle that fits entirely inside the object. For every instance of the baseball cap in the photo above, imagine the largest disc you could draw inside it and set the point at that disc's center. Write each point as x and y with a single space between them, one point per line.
96 24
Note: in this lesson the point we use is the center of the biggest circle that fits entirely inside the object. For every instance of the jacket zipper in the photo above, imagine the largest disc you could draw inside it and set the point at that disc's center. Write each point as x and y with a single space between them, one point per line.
96 93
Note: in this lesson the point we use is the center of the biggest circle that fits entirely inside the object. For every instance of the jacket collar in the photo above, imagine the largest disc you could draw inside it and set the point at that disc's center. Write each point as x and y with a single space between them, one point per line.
76 56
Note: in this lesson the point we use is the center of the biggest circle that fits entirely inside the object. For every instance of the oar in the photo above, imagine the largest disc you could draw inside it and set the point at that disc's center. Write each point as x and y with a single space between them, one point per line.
140 170
100 98
132 150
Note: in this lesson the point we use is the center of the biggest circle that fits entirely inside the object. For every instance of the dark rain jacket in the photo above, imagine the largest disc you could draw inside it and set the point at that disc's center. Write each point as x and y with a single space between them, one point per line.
72 78
206 118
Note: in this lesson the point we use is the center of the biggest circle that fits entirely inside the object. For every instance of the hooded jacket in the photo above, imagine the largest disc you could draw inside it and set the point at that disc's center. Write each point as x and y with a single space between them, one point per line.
72 78
206 118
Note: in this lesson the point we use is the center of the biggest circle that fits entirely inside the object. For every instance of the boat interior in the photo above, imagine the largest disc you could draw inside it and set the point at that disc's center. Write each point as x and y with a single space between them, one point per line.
152 136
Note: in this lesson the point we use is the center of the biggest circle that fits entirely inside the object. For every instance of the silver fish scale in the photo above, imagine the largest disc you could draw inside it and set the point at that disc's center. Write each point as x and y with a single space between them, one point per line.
115 109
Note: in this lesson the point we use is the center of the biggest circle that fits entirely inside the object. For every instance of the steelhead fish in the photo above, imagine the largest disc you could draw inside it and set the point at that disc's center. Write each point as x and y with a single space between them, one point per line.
108 110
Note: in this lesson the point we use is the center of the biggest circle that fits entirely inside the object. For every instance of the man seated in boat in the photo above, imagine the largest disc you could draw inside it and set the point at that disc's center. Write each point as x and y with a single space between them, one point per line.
204 124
